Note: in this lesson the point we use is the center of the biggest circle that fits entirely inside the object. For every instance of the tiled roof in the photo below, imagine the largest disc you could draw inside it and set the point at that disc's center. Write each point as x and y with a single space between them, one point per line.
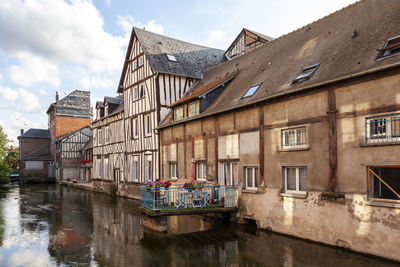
36 133
328 41
75 104
192 59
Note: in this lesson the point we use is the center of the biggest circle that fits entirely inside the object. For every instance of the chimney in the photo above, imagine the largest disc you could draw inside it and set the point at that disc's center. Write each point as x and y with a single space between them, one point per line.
22 131
57 97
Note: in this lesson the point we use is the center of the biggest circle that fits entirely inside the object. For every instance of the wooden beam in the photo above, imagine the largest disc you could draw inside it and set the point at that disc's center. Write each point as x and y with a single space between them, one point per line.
261 181
332 140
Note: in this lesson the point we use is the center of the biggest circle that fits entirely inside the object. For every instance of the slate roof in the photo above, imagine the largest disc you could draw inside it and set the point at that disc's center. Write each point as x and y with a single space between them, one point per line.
327 41
113 100
75 104
192 59
100 104
36 133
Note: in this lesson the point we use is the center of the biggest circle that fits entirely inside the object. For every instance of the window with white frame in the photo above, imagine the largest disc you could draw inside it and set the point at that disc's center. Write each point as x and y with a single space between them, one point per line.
107 134
105 169
135 128
294 138
99 137
173 172
134 168
228 173
384 128
294 179
135 93
134 65
250 177
141 60
201 171
193 108
148 167
178 113
147 125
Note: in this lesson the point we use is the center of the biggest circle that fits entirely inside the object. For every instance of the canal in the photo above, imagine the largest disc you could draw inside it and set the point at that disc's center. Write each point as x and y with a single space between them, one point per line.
51 225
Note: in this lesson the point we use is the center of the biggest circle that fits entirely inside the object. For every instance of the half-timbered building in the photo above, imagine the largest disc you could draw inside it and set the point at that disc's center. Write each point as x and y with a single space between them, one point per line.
308 126
69 148
108 143
158 71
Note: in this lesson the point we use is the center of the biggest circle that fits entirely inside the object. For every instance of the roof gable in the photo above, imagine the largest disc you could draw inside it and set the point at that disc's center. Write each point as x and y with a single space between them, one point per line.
75 104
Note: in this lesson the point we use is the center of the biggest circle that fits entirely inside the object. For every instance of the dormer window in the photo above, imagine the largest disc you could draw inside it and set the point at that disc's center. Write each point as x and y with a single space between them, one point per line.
171 58
391 47
306 73
105 110
252 90
98 113
193 108
178 113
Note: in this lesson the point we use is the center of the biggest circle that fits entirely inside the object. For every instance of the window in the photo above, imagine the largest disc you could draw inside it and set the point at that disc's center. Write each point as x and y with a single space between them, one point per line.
391 47
294 138
134 168
306 73
33 165
228 173
201 171
134 65
99 137
295 179
107 135
147 125
171 58
384 183
193 109
134 127
142 92
141 61
178 113
173 174
135 93
105 110
250 177
252 90
98 113
148 167
105 169
385 128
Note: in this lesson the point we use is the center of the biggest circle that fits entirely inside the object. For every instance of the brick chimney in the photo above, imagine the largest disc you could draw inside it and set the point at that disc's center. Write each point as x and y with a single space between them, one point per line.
57 97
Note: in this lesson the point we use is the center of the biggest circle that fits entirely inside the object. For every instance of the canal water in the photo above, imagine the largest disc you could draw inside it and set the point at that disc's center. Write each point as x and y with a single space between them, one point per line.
51 225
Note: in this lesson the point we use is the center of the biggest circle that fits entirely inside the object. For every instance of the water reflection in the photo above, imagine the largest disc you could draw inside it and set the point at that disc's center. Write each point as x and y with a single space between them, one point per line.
59 226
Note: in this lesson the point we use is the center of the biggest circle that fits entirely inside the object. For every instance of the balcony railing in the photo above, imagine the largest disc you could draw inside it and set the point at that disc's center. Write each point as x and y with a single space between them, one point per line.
382 129
177 197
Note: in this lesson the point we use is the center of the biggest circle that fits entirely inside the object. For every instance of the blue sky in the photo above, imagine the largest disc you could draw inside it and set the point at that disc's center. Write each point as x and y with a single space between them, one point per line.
62 45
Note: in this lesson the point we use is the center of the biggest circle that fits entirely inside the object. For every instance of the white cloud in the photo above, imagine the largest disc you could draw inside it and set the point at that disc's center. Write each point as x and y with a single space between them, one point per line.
1 77
20 100
126 22
42 92
68 32
32 70
107 2
218 39
8 94
96 82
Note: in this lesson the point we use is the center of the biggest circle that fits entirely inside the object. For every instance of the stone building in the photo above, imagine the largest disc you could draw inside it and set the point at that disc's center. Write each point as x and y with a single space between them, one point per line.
35 159
308 126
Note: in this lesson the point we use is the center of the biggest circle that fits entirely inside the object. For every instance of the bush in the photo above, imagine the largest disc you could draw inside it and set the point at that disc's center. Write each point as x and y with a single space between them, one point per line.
113 190
4 173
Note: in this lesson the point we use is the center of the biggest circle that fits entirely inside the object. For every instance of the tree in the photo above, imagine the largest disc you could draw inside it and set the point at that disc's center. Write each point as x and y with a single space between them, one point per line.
3 142
4 168
12 159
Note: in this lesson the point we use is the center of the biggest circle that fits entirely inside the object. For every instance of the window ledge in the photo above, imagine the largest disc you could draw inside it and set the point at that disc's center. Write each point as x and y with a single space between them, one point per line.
383 143
294 149
250 191
383 204
296 195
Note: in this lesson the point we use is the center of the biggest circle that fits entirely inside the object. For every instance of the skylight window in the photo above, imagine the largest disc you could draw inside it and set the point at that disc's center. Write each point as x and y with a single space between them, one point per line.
252 90
171 57
306 73
391 47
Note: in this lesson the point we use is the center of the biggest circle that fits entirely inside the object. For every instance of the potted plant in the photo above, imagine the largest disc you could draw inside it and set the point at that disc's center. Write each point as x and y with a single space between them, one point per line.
167 184
189 186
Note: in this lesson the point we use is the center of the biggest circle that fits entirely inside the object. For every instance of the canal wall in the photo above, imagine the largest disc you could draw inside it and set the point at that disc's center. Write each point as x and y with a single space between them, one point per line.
345 221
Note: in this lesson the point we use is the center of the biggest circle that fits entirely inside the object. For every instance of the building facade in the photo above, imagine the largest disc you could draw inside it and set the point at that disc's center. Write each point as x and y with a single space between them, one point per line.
307 128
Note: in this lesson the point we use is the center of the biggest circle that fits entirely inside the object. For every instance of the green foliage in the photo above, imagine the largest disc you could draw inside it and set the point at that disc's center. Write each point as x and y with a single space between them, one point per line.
113 190
3 142
4 172
12 159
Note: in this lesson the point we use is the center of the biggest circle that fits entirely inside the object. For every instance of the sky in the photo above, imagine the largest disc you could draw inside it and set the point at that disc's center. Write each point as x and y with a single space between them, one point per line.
63 45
